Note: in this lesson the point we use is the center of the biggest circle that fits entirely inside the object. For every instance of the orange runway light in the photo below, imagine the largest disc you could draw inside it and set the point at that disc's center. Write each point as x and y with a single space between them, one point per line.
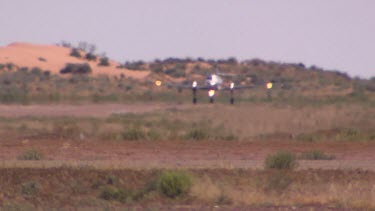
211 93
269 85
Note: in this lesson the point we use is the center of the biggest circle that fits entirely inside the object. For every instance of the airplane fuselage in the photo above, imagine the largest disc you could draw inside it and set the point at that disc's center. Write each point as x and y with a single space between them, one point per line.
214 82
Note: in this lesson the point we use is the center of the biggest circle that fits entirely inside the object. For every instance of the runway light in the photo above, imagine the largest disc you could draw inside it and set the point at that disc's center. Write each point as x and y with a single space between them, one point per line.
158 83
211 93
231 85
194 84
269 85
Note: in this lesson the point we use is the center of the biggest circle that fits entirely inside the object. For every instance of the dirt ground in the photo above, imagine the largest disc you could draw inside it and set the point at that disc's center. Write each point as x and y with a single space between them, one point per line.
131 159
182 154
85 110
169 153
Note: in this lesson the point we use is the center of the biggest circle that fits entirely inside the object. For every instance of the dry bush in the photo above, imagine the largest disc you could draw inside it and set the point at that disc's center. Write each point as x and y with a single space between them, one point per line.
315 155
32 154
240 188
31 188
281 160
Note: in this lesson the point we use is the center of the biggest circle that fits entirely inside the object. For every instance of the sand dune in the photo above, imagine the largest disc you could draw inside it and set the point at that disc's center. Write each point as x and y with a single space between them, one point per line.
54 58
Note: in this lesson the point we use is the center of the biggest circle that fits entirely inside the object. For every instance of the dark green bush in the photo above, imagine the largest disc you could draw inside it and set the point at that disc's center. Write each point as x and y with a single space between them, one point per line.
315 155
112 180
75 53
91 57
136 65
153 135
156 67
110 193
175 72
104 61
281 160
76 69
133 134
32 154
42 59
30 188
174 183
197 134
113 193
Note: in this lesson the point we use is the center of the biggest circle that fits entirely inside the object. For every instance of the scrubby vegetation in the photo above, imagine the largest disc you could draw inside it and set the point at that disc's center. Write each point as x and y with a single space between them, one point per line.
281 160
307 104
135 65
230 189
91 57
338 134
32 154
315 155
76 69
261 122
35 85
31 188
75 53
278 182
104 61
174 183
293 83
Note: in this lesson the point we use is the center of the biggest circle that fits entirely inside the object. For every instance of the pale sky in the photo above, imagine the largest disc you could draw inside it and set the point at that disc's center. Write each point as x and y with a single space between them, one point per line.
333 34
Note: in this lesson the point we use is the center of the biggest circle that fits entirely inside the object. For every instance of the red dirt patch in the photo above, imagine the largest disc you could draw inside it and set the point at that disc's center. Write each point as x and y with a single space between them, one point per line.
183 154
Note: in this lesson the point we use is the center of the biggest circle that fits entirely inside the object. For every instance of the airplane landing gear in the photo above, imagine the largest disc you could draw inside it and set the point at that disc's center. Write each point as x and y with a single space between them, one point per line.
231 96
194 95
231 100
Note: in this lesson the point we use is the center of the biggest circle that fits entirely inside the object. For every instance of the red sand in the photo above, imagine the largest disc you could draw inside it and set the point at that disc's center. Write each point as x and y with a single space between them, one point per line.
56 57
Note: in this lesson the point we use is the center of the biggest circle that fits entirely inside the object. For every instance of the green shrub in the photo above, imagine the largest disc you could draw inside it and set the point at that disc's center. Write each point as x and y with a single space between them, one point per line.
136 65
42 59
91 57
76 68
133 134
75 53
78 187
349 134
112 180
156 67
32 154
113 193
30 188
174 183
110 193
281 160
104 61
153 135
315 155
175 73
197 134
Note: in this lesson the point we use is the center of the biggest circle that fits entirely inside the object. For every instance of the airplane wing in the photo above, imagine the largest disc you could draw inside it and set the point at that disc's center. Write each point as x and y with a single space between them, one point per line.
194 85
211 89
233 86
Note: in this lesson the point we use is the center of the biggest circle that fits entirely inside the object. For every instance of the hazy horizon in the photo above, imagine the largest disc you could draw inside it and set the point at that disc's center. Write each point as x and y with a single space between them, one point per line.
334 34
